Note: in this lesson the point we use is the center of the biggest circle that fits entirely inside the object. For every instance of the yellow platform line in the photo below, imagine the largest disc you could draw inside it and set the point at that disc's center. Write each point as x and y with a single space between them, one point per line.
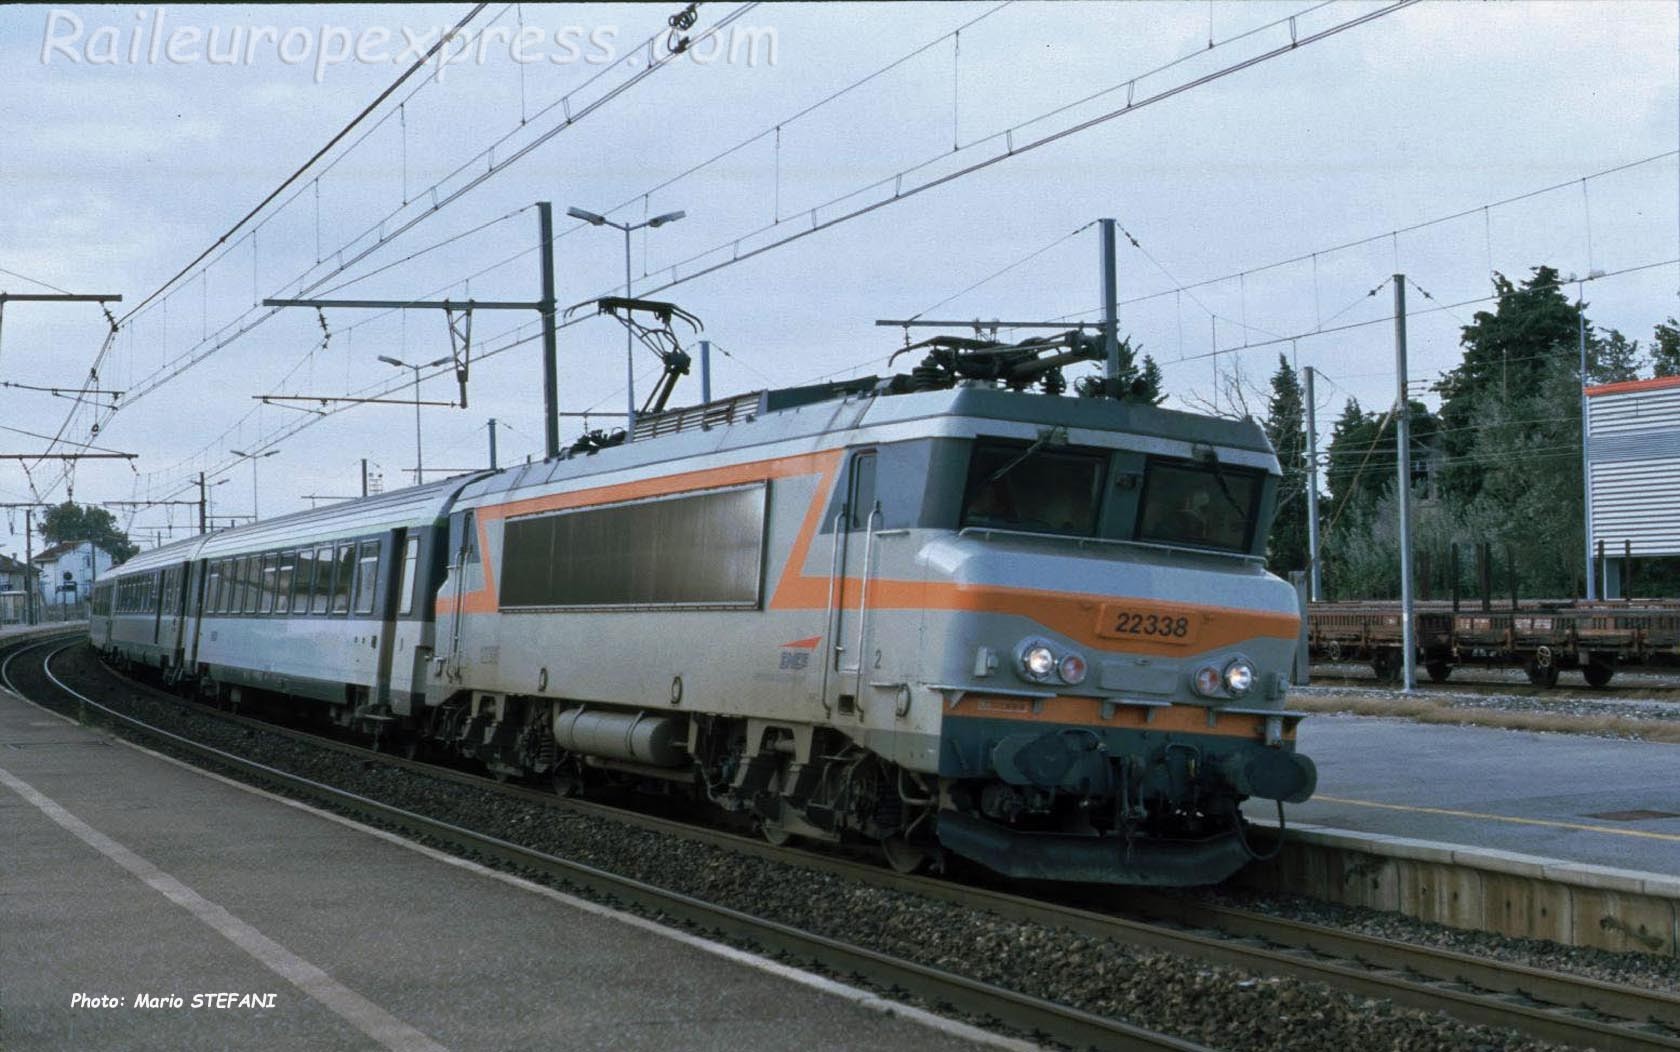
1553 823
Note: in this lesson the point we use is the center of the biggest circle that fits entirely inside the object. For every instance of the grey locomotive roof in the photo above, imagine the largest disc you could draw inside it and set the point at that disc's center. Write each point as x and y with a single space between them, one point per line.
415 506
814 422
807 421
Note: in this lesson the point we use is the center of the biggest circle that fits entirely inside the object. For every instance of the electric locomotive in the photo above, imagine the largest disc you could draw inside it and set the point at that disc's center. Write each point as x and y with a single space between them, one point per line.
950 612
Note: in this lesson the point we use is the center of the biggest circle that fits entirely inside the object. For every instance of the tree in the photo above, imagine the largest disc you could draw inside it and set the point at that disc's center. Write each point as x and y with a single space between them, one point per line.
1352 444
1150 383
1133 384
1360 540
1665 349
73 522
1285 424
1506 353
1612 359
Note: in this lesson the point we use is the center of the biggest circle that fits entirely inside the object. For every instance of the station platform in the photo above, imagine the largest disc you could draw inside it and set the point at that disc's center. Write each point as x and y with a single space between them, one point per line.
250 922
1570 797
10 631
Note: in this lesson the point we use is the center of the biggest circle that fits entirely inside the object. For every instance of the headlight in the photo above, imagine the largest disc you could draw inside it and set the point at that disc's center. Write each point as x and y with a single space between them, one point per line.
1239 677
1072 669
1207 682
1038 661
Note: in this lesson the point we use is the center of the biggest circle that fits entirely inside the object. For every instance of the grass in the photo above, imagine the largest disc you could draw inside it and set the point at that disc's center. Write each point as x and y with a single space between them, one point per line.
1425 711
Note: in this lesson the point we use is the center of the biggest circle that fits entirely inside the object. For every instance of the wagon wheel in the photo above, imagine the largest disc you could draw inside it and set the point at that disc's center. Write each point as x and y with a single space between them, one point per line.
1438 671
1386 664
1598 673
1542 675
775 833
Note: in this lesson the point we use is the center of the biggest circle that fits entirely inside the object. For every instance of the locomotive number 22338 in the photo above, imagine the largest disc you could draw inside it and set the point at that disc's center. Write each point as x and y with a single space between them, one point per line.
1161 626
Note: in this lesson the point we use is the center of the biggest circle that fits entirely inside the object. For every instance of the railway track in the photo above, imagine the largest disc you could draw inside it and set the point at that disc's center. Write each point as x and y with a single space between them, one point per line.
1643 686
1061 1023
1550 1006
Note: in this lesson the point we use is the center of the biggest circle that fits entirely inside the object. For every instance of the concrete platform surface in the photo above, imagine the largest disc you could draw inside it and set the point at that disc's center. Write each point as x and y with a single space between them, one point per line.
124 876
1564 796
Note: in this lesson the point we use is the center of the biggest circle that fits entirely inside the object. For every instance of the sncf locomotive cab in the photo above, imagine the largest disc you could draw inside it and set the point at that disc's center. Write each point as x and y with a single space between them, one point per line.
1096 629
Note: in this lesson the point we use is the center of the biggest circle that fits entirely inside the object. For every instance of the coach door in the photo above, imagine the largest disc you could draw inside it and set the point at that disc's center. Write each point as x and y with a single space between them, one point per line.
198 597
854 543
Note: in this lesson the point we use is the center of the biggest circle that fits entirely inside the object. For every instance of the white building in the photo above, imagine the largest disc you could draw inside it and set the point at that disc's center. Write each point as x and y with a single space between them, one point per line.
14 582
1633 453
68 571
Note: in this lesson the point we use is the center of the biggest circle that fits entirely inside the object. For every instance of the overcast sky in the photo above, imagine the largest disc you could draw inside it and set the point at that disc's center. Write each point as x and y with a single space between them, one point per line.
117 169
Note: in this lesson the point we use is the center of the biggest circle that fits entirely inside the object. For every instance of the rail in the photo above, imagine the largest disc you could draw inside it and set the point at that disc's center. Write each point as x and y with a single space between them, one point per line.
1551 1006
1015 1010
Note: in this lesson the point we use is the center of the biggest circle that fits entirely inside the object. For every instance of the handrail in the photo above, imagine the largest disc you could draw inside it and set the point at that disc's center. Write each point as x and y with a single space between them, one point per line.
829 633
863 595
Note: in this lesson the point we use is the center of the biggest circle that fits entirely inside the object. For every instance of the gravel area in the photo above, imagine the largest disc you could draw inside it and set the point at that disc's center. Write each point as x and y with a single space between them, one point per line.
1548 703
1222 1007
1630 687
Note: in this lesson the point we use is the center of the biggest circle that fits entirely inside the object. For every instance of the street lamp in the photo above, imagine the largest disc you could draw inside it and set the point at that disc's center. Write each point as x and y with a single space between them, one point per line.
256 512
594 219
388 360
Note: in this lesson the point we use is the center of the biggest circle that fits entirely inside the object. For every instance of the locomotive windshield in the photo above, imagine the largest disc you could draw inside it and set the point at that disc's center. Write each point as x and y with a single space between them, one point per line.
1014 486
1208 506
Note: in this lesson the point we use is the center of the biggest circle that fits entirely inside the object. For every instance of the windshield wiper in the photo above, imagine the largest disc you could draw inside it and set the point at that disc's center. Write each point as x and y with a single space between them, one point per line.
1212 457
1057 435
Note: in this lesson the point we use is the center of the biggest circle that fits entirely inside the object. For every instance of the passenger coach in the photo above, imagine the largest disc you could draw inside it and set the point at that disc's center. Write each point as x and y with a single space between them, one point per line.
330 606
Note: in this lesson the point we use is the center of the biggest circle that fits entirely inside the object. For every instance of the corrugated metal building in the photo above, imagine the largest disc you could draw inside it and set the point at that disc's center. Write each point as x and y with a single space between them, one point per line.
1634 454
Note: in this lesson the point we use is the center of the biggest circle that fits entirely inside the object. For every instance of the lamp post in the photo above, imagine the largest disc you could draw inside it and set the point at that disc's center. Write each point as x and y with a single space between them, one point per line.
595 219
256 511
388 360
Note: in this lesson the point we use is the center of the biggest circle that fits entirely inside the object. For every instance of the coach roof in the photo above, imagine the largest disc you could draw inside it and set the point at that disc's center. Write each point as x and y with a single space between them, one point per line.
415 506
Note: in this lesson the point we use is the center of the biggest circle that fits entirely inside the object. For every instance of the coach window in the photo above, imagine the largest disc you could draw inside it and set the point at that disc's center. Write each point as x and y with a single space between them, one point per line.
237 570
224 600
344 563
250 571
283 582
270 567
367 576
258 590
411 557
302 577
320 592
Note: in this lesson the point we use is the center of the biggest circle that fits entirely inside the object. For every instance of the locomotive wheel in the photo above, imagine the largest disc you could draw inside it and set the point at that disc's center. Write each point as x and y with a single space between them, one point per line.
1438 671
1598 674
568 778
905 857
774 833
1541 675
